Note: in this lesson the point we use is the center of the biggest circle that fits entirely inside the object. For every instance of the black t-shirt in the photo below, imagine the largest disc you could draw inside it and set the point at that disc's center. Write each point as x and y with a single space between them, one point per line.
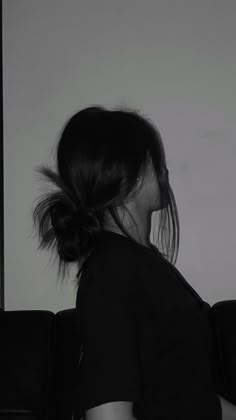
146 335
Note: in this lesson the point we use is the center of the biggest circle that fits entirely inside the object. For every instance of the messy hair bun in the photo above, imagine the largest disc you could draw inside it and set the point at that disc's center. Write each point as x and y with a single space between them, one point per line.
73 229
65 224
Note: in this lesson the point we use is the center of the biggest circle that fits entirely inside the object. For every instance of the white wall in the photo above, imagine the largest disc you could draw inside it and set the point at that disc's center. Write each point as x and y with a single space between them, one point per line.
175 60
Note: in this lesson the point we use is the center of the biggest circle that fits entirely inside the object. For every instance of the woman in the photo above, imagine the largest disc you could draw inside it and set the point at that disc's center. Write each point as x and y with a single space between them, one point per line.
146 334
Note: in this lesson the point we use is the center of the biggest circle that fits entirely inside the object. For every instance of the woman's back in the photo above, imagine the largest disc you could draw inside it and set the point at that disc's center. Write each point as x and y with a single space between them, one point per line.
146 334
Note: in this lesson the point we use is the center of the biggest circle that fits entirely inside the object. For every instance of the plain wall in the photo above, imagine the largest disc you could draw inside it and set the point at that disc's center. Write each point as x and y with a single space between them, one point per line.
175 61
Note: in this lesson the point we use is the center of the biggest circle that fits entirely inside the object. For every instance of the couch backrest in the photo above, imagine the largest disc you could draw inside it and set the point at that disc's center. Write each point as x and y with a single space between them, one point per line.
39 354
25 352
39 360
223 316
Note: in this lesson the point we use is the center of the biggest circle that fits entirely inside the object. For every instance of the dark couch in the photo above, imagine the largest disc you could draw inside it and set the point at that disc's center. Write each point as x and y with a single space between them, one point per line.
39 357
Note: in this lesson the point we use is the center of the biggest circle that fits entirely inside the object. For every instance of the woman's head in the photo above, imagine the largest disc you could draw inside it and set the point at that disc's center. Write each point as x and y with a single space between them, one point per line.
100 155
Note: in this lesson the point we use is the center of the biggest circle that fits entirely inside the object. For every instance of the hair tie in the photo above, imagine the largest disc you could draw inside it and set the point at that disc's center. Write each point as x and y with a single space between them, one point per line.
83 216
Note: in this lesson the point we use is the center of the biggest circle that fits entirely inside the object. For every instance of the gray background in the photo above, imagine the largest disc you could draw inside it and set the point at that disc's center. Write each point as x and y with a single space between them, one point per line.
175 61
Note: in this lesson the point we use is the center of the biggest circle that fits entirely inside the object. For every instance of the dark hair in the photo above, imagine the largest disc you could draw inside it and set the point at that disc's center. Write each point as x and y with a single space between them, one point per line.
100 154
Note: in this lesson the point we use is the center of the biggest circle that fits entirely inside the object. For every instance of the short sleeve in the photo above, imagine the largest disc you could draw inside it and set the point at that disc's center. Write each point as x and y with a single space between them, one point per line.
109 363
